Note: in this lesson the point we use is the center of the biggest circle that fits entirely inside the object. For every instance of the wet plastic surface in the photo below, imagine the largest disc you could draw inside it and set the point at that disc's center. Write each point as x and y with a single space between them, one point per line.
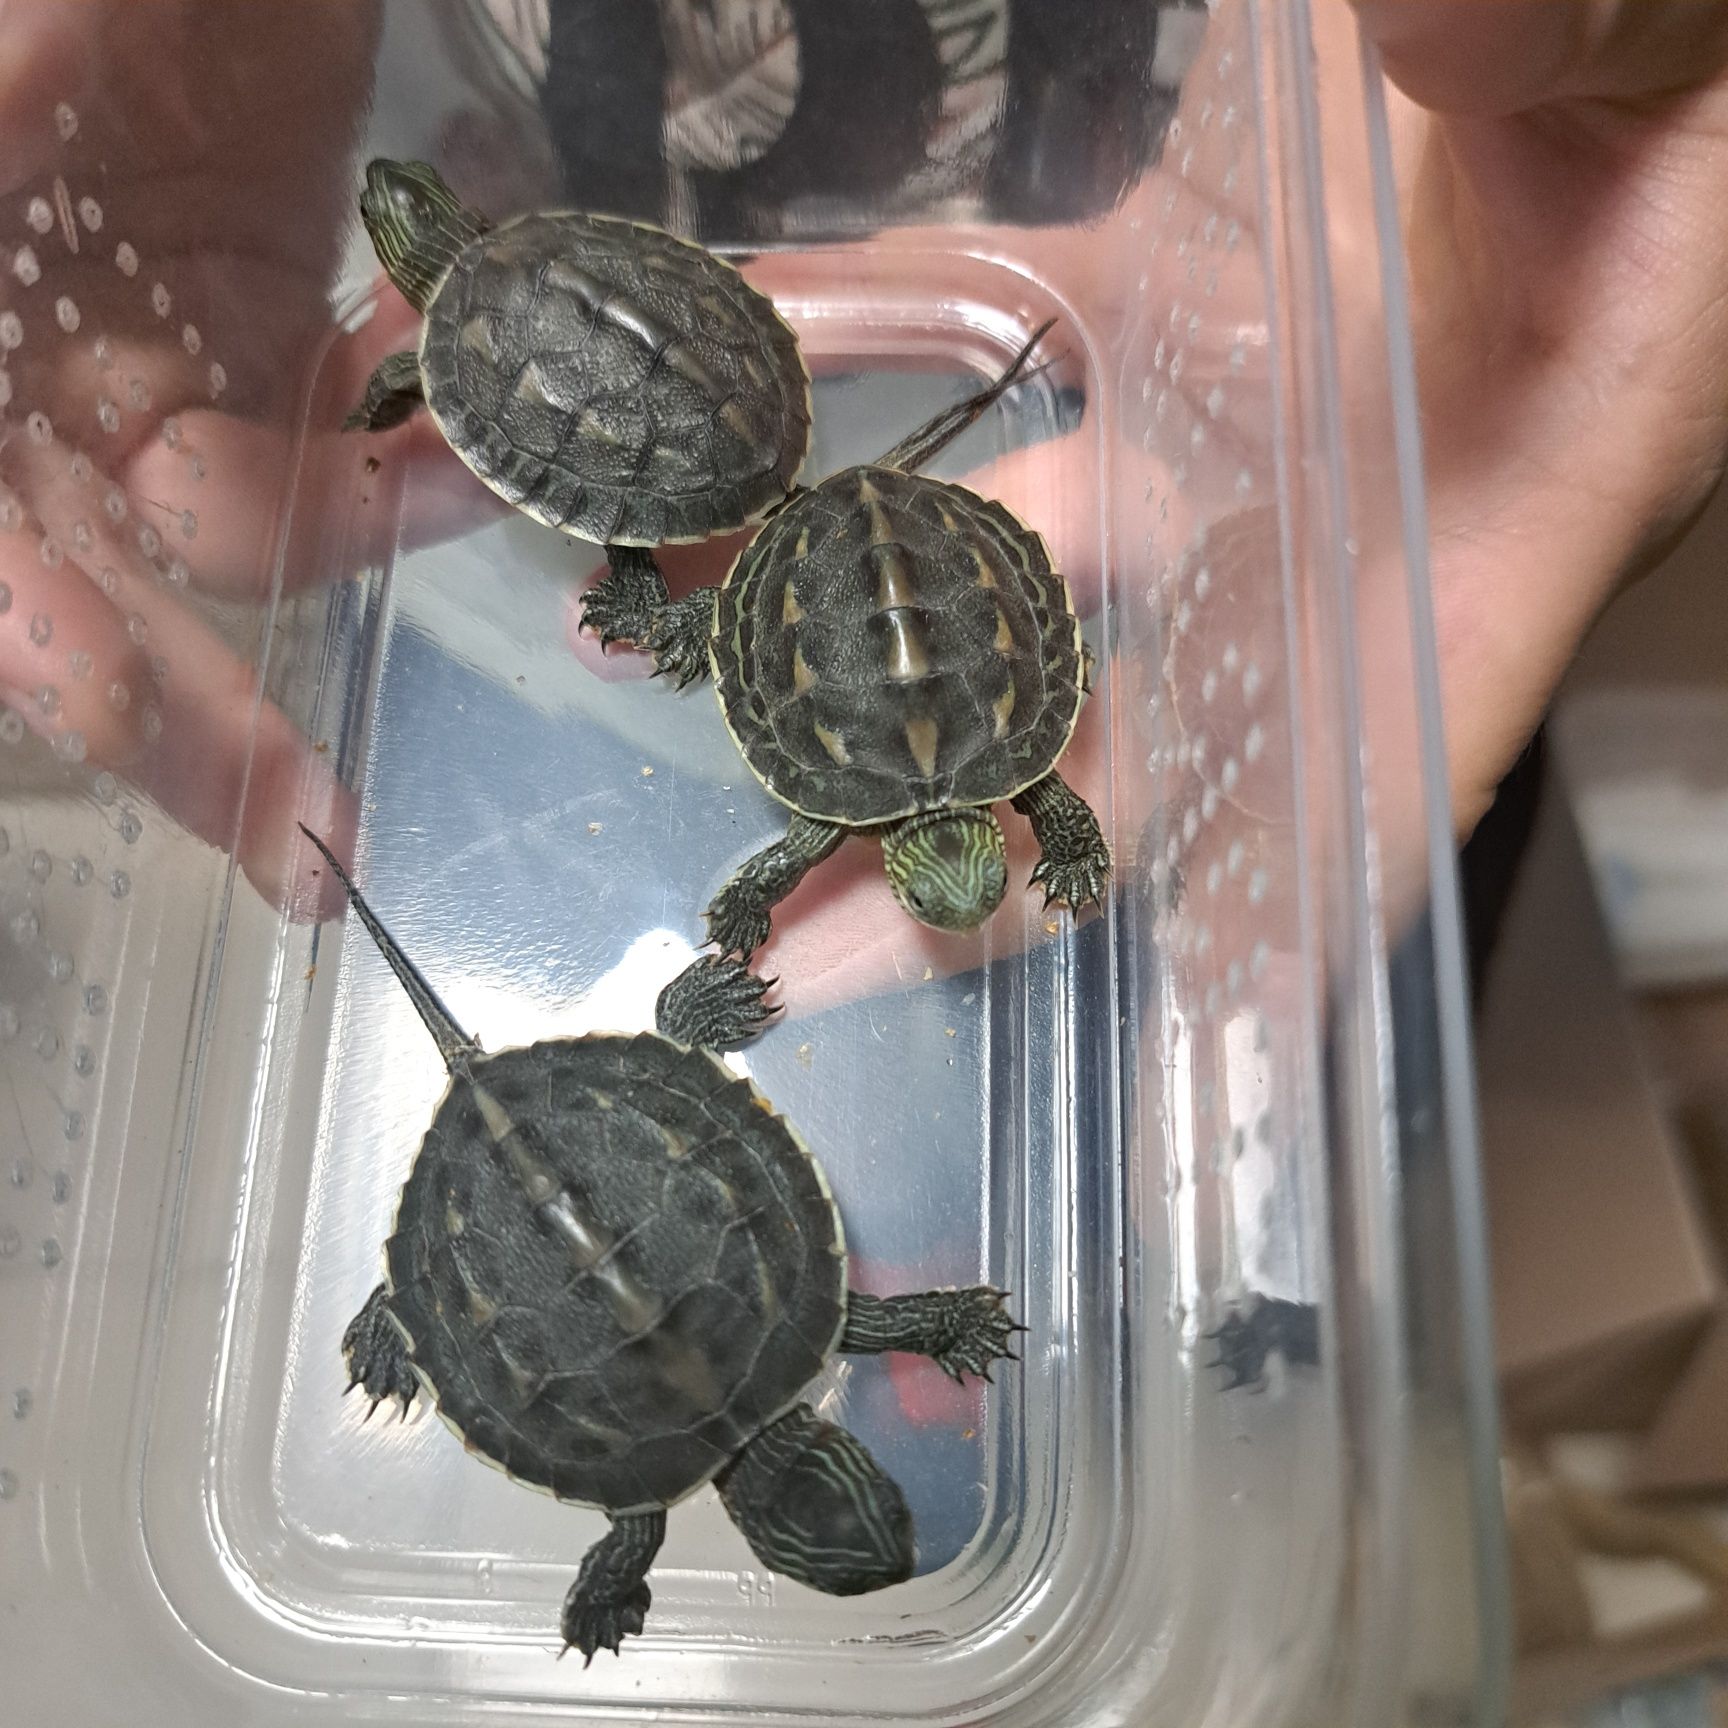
1240 1082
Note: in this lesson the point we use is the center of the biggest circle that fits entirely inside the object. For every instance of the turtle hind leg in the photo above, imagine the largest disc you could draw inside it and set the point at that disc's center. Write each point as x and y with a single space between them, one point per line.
377 1356
714 1004
738 916
610 1599
1074 862
631 603
393 393
961 1331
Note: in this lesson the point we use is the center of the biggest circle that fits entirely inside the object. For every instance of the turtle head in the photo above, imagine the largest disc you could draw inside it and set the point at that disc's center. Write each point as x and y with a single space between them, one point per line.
815 1506
948 868
417 225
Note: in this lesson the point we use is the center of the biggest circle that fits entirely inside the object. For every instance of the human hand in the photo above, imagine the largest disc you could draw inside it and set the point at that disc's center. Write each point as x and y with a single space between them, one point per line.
191 165
1568 243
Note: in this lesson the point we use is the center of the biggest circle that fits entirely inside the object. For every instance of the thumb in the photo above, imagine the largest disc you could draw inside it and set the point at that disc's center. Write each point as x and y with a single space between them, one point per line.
1467 57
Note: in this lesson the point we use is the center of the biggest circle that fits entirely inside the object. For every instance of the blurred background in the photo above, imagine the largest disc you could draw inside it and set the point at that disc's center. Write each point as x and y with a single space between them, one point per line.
1598 900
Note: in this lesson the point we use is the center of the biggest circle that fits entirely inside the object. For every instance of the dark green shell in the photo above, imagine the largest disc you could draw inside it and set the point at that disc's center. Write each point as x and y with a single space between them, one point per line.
679 1286
614 381
890 643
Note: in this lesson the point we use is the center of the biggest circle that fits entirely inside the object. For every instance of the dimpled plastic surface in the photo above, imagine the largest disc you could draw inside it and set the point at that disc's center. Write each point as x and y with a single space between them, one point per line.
1243 1080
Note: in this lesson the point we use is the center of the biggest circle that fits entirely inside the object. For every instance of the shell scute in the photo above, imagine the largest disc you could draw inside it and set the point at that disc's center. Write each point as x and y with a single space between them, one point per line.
678 1287
891 643
614 381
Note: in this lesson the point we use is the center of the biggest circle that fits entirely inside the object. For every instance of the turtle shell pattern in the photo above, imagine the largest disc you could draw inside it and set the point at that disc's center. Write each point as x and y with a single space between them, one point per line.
891 643
619 1341
614 381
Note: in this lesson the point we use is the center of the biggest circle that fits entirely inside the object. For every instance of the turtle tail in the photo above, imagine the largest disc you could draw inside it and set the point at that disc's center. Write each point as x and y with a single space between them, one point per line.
936 434
454 1045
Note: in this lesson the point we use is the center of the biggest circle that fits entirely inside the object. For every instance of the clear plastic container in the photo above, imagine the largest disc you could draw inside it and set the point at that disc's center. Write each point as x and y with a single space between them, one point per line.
1248 1079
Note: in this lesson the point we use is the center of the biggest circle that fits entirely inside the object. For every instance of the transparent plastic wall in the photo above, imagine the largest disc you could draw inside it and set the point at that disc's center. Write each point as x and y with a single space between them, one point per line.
1247 1080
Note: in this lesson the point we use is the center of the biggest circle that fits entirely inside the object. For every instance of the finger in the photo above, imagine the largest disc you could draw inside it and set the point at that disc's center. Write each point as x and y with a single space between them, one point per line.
67 663
1463 57
289 785
109 395
188 725
337 499
341 495
45 62
230 766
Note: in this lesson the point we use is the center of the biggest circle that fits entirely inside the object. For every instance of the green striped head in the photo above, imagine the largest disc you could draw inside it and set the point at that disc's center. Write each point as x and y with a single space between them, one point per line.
417 225
815 1506
948 868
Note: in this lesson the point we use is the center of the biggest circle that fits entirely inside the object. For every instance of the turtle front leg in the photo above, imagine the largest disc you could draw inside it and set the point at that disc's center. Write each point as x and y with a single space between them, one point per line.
713 1004
961 1331
1074 862
631 603
622 605
678 637
377 1356
737 916
393 393
610 1599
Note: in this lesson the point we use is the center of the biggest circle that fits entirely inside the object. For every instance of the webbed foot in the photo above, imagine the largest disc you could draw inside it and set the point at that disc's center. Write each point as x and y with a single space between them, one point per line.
610 1599
738 916
1271 1325
377 1356
962 1331
978 1329
622 605
393 393
603 1623
1074 862
678 638
1073 882
715 1003
738 922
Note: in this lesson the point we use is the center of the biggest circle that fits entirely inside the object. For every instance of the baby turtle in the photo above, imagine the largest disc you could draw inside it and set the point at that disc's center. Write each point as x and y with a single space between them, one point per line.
614 1269
607 378
892 653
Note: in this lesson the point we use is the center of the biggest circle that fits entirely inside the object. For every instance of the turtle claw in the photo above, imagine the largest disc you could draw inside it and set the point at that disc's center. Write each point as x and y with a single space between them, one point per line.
624 604
378 1357
737 921
603 609
673 658
715 1003
1072 882
977 1327
677 637
592 1626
